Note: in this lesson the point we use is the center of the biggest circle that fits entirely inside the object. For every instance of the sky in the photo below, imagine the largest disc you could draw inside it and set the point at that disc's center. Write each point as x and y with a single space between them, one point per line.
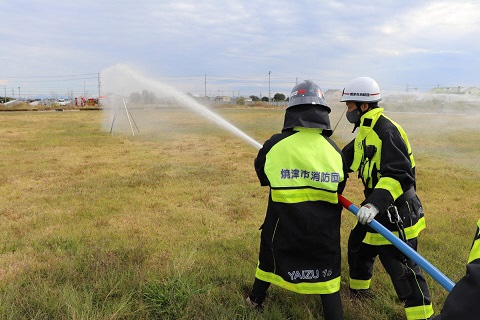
234 47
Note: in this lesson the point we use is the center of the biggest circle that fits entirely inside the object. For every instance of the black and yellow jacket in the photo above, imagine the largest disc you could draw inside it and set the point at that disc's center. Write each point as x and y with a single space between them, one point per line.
463 301
300 239
382 155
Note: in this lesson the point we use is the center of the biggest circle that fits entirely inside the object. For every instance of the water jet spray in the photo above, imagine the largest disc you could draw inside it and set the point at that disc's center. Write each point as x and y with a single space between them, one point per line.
116 78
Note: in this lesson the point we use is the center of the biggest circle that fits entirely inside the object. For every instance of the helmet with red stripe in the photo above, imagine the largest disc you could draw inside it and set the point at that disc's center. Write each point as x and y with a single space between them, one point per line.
307 93
362 89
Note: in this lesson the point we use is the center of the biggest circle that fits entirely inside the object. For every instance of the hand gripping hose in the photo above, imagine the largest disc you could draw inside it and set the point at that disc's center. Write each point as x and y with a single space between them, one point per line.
402 246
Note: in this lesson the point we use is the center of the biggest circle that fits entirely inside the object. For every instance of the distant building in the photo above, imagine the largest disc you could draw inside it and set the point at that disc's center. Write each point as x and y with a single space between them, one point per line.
223 99
333 95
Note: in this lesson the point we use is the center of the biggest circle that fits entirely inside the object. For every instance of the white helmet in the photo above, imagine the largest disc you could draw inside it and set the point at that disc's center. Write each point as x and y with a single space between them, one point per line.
362 89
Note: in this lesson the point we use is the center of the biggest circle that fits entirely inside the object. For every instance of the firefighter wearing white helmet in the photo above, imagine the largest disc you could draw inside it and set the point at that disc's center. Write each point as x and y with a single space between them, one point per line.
362 89
383 158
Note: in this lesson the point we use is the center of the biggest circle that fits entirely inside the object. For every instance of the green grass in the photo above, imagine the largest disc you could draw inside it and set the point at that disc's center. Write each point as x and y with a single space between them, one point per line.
164 224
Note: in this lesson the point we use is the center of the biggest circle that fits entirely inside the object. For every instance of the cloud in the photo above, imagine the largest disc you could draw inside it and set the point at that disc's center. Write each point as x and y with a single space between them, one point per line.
436 28
327 41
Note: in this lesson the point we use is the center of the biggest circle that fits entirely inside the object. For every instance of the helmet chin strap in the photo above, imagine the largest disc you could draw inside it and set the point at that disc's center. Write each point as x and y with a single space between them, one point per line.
359 109
357 124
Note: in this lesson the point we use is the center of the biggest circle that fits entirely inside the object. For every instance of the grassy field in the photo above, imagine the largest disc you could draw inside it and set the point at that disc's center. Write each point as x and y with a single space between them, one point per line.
164 224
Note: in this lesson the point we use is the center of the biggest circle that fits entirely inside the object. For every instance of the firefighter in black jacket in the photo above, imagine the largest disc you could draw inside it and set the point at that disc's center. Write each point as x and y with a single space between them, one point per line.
300 238
463 301
382 156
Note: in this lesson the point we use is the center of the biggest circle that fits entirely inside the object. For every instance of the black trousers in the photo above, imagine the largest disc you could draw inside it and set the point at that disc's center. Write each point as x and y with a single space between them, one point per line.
407 277
331 303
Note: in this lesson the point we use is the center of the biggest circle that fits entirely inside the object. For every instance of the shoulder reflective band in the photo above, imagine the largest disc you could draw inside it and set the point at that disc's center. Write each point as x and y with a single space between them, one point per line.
475 250
402 246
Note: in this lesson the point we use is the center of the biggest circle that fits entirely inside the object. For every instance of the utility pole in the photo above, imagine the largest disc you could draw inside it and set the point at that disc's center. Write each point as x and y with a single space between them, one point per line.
269 86
99 89
18 93
205 84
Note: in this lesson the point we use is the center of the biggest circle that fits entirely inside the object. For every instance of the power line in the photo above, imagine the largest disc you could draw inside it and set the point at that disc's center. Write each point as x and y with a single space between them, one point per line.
82 82
71 84
58 80
48 77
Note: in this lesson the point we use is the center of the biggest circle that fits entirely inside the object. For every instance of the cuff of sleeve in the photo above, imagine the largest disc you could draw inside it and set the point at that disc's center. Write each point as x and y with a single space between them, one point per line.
381 199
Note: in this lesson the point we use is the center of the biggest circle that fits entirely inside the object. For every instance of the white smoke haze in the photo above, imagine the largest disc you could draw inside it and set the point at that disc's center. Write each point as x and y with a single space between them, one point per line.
444 126
441 125
434 102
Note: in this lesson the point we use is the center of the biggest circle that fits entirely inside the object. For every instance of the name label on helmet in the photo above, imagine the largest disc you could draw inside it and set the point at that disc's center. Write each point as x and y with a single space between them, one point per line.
360 94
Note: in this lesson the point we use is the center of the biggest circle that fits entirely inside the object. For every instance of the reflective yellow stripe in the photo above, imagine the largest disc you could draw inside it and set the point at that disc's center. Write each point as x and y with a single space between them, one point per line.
405 138
475 251
325 287
411 232
391 185
359 284
302 195
311 170
420 312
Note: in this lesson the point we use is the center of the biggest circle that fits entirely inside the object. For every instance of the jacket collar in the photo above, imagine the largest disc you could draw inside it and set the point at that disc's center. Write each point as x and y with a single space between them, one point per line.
368 121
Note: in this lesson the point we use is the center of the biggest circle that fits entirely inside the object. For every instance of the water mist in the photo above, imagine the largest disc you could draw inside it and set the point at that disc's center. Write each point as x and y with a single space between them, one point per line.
121 80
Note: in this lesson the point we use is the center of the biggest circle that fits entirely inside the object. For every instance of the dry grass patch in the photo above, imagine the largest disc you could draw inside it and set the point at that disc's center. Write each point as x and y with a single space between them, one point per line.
164 224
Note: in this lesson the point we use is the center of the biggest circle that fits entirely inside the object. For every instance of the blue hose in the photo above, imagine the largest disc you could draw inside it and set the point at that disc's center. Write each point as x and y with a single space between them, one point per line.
429 268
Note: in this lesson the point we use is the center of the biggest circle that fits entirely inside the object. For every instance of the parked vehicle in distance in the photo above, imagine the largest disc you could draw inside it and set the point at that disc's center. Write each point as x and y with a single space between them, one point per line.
61 102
